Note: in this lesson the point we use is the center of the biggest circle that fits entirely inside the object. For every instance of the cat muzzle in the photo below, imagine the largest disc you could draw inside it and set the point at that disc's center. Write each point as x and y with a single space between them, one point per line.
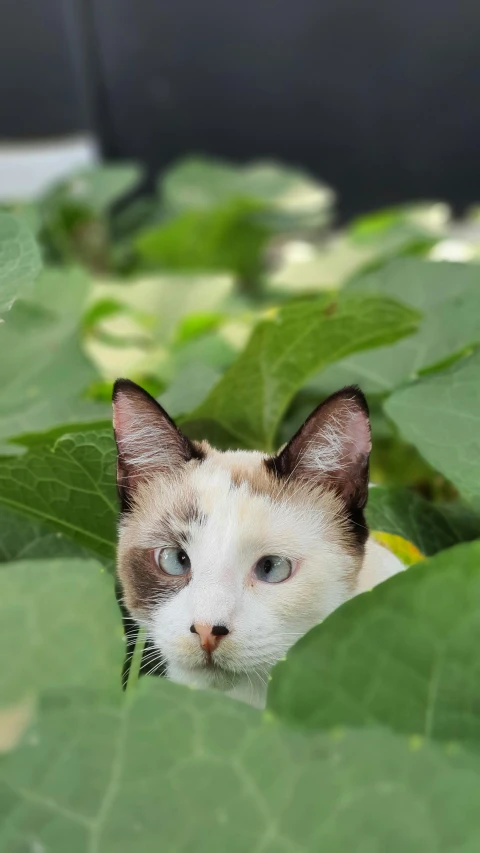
209 635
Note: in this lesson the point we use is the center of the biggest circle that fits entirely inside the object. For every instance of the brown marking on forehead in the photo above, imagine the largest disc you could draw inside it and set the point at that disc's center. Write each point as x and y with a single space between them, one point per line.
258 479
170 503
245 467
175 525
188 513
143 582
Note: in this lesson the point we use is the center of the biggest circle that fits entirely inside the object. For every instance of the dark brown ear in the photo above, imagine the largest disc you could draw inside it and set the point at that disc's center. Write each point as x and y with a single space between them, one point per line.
148 441
332 447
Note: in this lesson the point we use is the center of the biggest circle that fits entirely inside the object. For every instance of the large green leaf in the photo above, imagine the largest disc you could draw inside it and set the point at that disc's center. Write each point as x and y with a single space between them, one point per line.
177 770
283 352
419 283
404 655
20 261
23 538
60 628
291 196
440 415
259 806
43 370
448 296
69 485
431 527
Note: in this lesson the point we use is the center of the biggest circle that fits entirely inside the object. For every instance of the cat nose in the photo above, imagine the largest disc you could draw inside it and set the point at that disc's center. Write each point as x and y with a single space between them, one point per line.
210 635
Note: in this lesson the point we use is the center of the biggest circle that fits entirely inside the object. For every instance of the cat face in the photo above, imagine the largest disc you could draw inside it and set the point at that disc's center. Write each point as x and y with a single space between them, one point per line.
228 558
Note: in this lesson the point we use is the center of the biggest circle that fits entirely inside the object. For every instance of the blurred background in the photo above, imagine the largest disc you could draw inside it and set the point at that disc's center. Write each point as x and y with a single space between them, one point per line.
379 100
188 167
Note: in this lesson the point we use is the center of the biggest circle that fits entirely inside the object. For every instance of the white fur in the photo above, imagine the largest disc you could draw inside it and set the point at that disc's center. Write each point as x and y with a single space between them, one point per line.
379 565
264 620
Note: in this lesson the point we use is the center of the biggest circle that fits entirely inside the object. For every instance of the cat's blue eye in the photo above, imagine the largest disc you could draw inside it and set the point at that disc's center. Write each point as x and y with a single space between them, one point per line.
173 561
272 569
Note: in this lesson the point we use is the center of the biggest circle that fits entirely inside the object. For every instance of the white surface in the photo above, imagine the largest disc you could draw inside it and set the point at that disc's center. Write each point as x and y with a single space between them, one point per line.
26 169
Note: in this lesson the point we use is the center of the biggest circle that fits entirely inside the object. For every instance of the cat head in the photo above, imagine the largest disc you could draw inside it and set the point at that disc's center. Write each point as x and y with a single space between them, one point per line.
227 558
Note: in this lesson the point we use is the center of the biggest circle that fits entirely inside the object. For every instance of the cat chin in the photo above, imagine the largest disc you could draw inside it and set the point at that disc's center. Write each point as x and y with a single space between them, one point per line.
249 688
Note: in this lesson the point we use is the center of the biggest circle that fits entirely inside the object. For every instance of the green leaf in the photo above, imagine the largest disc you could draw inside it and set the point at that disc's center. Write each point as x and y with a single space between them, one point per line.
77 215
178 770
251 398
62 620
448 296
292 197
198 365
20 261
43 370
227 239
440 415
164 301
404 655
95 189
431 527
419 283
24 539
69 485
398 227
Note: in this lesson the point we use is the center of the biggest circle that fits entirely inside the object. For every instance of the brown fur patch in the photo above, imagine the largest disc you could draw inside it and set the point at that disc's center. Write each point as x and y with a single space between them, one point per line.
143 582
258 479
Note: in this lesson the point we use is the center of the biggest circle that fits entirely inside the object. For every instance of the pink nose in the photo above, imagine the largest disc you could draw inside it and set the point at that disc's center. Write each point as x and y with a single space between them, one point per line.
210 635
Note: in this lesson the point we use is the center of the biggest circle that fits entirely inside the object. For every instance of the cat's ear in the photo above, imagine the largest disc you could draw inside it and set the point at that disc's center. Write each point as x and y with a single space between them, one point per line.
332 447
148 441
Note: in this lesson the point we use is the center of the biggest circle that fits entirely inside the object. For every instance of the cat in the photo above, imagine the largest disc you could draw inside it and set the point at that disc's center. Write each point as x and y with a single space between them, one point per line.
228 558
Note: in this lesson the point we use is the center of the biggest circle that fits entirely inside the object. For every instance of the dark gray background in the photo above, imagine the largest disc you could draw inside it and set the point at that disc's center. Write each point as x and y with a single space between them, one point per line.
378 97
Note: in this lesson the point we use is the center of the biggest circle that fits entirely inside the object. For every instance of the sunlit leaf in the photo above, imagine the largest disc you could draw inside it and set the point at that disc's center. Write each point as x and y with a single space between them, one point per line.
289 196
406 551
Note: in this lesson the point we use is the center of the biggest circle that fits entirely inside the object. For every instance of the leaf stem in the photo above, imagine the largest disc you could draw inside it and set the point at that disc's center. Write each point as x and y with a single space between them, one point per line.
136 663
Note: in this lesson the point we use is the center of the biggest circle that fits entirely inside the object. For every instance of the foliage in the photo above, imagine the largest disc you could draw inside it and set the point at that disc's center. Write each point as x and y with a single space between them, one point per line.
43 368
75 215
19 260
400 655
230 238
250 399
441 415
225 295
